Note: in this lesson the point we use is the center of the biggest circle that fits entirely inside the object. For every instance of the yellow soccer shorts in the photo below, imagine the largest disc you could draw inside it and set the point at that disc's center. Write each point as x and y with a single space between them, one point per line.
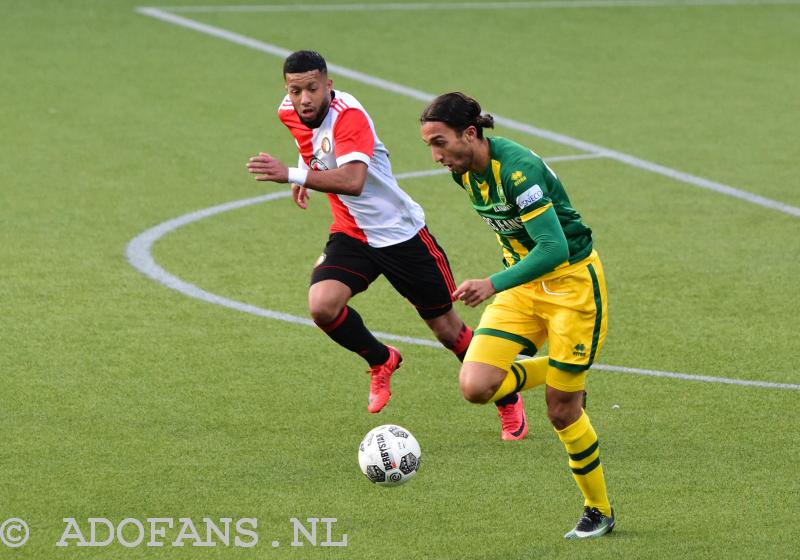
567 308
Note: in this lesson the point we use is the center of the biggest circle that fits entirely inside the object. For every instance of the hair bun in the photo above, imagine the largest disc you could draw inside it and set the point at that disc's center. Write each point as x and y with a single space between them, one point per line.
486 121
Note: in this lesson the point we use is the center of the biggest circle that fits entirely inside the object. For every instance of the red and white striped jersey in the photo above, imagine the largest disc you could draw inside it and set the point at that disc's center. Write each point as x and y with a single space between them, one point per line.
383 214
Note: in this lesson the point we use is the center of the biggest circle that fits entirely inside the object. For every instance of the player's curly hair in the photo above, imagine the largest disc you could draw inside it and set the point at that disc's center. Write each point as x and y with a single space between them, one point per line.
458 111
304 61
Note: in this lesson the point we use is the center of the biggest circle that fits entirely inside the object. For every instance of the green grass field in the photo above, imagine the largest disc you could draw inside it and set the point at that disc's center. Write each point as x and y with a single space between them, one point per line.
121 398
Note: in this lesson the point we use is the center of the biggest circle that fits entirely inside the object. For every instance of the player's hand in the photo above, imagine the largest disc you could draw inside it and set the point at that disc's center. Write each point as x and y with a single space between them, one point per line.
473 292
267 168
300 196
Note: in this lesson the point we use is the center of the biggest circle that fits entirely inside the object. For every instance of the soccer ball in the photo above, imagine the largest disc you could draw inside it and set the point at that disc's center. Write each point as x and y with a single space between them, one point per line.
389 455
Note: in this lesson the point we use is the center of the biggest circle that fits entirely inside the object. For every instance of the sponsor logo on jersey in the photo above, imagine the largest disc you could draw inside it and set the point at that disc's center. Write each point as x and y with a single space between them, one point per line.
320 260
317 164
503 226
502 208
518 178
580 351
326 145
530 196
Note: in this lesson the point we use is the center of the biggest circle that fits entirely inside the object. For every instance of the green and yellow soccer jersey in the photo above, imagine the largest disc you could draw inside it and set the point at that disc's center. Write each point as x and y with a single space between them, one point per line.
516 187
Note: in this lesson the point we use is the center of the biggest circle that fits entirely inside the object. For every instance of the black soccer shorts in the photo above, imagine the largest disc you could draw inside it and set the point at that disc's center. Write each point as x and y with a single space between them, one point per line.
418 269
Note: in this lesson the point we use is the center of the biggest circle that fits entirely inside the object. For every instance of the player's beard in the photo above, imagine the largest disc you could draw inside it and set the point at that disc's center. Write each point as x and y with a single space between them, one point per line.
460 164
321 114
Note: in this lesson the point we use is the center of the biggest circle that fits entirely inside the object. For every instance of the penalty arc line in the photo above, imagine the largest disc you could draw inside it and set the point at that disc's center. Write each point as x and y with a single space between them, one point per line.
537 132
139 254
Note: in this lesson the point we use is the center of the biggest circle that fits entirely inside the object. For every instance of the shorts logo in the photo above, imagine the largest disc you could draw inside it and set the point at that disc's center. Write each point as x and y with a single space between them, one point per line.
518 178
320 260
530 196
580 351
326 145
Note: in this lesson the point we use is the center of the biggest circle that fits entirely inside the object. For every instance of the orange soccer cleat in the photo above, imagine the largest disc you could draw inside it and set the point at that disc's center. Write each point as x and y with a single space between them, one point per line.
513 421
379 387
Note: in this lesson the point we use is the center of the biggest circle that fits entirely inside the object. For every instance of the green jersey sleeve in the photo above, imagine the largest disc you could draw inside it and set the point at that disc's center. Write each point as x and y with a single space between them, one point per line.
526 179
525 182
550 251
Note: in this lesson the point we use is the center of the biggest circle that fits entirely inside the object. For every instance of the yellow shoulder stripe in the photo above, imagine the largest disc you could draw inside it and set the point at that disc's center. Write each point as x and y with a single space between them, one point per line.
533 213
496 172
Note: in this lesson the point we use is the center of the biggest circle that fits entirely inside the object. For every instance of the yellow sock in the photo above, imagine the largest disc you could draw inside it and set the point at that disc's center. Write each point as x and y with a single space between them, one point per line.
580 440
523 375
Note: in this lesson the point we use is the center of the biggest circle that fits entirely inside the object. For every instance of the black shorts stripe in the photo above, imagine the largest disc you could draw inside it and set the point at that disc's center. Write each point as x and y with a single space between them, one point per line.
441 260
598 320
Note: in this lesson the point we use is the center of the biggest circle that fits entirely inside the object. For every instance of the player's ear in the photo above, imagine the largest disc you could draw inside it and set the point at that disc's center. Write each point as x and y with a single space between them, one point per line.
470 133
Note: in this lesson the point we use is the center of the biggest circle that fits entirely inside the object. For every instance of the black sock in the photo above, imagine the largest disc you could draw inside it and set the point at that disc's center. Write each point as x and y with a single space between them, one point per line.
348 330
508 399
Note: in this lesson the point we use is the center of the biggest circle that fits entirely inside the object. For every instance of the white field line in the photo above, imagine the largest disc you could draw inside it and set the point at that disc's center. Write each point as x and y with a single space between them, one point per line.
695 377
510 123
427 6
139 255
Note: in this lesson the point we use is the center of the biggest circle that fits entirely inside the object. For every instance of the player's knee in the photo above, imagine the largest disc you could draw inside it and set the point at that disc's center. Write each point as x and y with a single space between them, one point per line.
563 413
475 390
557 416
324 312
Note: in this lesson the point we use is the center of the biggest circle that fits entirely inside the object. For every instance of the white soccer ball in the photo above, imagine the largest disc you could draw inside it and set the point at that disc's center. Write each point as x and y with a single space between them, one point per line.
389 455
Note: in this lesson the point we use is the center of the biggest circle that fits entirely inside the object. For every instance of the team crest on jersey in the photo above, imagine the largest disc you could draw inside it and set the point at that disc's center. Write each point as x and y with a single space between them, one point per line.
326 145
317 164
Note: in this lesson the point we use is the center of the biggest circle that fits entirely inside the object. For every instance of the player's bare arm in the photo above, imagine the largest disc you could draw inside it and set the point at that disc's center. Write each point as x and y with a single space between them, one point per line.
347 180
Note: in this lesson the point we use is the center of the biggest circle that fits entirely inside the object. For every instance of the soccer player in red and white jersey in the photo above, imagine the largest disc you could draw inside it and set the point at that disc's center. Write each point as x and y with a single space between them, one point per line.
377 228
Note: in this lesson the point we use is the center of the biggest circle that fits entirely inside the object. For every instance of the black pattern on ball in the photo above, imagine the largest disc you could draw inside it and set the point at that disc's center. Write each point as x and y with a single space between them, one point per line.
397 432
375 474
408 463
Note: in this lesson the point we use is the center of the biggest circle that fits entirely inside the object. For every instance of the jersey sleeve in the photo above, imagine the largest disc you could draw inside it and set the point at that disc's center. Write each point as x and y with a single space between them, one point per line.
550 252
526 187
353 138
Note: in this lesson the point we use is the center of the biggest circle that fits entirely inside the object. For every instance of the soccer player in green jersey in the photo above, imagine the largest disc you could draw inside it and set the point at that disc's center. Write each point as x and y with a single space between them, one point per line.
552 288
